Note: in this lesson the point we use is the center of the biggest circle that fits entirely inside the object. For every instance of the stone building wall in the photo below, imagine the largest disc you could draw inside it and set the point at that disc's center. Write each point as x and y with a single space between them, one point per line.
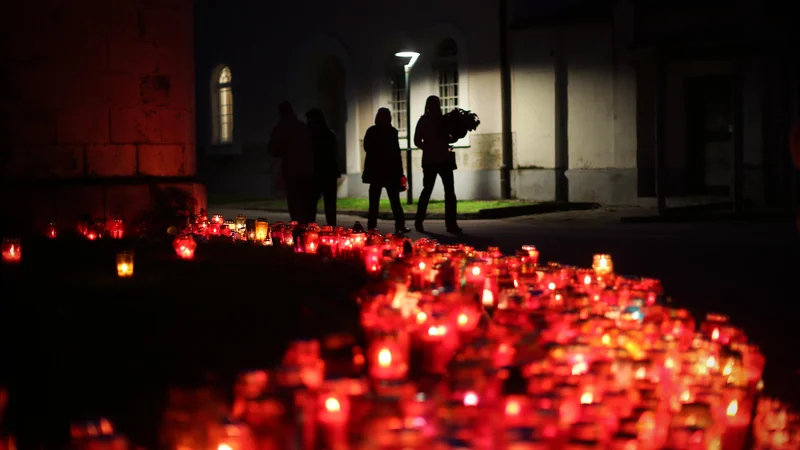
97 108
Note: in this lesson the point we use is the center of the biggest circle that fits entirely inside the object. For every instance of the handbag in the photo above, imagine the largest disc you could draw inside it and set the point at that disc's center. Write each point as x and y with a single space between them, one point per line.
403 183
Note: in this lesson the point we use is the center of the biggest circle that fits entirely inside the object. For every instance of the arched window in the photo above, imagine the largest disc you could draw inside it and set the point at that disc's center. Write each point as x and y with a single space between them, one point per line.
447 68
223 115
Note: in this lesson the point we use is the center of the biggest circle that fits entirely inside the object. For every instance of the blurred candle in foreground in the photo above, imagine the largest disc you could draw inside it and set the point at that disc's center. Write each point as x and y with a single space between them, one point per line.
51 231
125 264
184 246
262 230
11 250
602 264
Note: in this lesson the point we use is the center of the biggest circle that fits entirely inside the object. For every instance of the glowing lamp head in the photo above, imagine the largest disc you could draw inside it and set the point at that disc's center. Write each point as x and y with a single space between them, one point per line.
384 357
412 58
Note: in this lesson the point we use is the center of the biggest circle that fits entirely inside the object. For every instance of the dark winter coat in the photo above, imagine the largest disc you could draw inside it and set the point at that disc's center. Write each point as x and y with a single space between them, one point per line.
384 163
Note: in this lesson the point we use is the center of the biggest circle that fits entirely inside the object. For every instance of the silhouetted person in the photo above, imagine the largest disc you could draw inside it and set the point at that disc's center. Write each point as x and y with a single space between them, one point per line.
291 141
383 169
326 165
434 140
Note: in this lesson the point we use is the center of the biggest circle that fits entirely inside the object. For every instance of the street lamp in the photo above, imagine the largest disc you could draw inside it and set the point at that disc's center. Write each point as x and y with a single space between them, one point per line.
412 58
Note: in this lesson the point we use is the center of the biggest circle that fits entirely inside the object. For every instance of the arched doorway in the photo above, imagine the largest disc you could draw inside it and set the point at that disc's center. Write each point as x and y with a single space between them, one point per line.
331 99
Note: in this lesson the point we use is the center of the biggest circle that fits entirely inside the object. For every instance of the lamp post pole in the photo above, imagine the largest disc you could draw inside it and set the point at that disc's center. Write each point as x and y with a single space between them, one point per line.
412 58
409 172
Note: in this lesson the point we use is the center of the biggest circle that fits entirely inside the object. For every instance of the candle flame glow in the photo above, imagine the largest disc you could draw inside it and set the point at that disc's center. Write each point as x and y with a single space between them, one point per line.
476 271
587 398
422 265
332 404
715 334
421 317
384 357
733 408
463 319
224 446
470 399
512 408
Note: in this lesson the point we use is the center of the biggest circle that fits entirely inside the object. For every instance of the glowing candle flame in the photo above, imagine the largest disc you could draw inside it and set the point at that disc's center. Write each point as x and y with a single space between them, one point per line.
715 334
224 447
332 405
476 271
512 408
733 408
421 317
421 265
587 398
470 399
463 319
384 357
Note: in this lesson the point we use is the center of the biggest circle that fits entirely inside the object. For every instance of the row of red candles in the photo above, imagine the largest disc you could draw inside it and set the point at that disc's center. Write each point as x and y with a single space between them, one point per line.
615 359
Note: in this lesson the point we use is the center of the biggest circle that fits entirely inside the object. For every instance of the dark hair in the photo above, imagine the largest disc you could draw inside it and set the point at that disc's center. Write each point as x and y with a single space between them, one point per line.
285 109
433 102
315 115
383 113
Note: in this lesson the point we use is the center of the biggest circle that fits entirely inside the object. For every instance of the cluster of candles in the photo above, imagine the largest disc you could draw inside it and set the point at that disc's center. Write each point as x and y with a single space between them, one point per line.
476 349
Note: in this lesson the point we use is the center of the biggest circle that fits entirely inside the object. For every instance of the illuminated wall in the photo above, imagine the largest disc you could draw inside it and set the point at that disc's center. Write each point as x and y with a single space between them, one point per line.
98 108
581 100
269 65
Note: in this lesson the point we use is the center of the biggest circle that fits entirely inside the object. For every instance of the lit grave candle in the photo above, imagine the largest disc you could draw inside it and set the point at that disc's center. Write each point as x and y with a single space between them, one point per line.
125 264
11 251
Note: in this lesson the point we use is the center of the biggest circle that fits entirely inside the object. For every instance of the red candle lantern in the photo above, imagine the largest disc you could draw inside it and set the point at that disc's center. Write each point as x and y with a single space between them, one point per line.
184 246
531 252
328 243
214 229
231 435
11 251
311 239
466 318
115 228
217 219
388 358
334 408
373 255
51 231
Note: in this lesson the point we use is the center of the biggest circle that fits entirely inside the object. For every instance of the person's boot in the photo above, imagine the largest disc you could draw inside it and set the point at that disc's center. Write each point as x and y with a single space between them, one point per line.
418 226
455 229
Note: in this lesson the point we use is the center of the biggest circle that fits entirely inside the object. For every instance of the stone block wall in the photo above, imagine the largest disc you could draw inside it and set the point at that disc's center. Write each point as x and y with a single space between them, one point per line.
97 108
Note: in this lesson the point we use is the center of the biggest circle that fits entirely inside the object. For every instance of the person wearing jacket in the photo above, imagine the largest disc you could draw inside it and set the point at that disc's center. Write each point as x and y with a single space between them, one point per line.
437 160
383 169
326 165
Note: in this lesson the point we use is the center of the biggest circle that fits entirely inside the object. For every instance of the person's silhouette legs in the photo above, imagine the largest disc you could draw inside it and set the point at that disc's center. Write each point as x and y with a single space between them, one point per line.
329 197
397 211
450 201
428 182
374 205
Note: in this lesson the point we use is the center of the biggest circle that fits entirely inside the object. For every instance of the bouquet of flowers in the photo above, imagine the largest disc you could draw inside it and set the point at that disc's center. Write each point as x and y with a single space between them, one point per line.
459 121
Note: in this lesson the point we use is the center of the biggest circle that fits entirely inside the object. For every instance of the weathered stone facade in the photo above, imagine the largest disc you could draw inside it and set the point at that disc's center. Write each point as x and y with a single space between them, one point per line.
98 108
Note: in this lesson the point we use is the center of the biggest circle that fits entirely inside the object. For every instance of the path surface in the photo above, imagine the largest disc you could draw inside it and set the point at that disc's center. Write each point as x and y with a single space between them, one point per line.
746 270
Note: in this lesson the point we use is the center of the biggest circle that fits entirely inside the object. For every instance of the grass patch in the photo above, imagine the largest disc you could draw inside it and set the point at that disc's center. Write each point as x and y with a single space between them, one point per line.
362 204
